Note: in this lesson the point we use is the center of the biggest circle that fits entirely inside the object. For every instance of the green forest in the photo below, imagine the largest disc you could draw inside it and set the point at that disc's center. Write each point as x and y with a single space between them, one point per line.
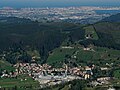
19 38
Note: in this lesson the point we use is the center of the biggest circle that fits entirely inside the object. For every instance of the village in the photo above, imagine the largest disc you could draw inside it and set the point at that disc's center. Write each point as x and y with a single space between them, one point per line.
46 75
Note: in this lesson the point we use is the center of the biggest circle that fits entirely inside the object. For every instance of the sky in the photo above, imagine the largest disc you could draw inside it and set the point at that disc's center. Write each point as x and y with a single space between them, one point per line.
57 3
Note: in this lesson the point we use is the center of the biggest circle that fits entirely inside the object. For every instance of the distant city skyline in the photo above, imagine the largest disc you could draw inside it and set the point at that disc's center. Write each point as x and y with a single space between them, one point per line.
57 3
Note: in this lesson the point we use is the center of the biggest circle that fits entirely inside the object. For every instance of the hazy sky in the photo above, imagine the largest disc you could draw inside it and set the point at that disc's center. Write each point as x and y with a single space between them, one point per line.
57 3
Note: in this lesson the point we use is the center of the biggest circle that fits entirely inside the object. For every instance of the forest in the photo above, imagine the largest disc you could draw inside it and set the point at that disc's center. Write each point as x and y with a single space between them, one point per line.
18 36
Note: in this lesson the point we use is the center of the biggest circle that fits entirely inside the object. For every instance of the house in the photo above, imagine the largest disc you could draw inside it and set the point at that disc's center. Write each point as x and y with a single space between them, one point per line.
86 49
103 78
67 47
111 89
104 68
88 36
86 76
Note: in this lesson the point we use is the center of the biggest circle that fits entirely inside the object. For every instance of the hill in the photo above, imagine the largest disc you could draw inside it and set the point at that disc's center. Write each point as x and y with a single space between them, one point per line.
4 65
107 32
103 41
113 18
79 56
108 35
20 35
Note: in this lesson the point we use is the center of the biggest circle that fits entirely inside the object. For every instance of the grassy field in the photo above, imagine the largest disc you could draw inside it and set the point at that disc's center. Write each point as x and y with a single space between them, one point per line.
91 30
4 65
99 55
117 74
22 82
59 54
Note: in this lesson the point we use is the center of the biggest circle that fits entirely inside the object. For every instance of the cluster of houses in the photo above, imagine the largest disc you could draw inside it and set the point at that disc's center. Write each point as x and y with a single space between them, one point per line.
101 81
35 69
47 75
